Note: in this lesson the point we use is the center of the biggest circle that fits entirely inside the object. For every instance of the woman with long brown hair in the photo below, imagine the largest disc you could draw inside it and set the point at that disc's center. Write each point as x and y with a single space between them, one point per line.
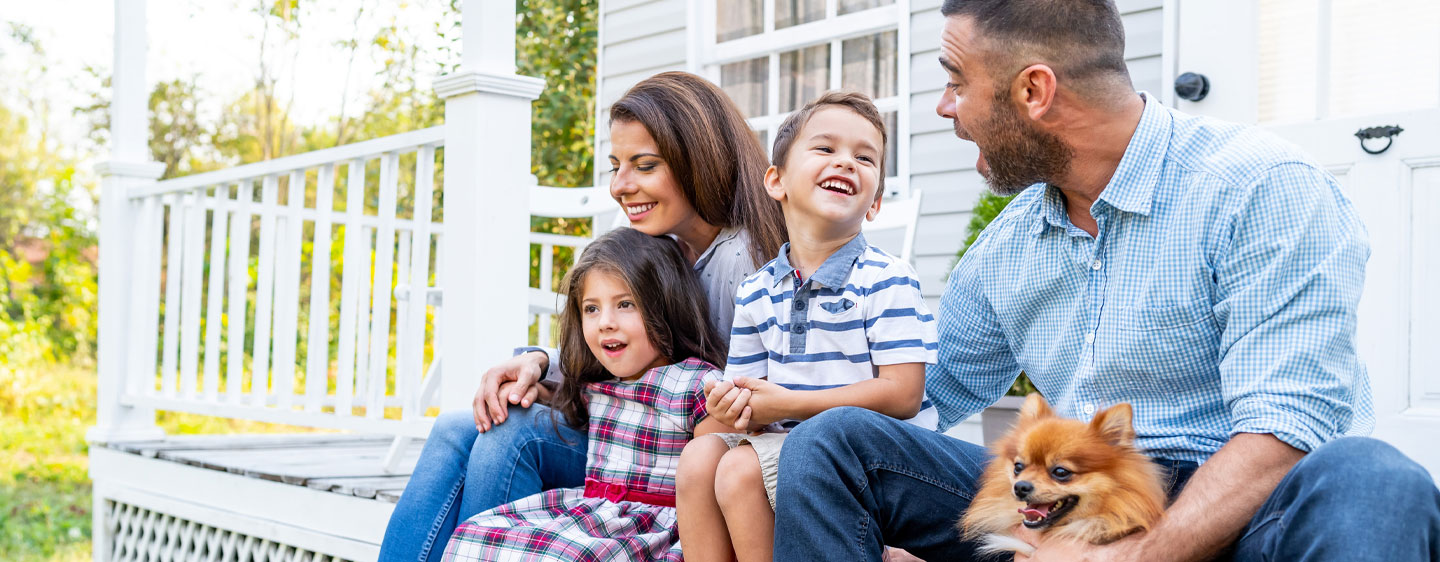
683 164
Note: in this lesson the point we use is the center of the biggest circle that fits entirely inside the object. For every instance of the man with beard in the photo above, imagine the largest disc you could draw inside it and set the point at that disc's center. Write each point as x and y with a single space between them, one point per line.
1204 272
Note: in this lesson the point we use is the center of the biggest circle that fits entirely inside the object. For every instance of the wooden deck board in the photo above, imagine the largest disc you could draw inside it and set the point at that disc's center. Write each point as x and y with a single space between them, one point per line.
344 464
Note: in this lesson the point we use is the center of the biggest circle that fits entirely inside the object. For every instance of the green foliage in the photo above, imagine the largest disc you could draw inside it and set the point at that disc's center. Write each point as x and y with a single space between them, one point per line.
986 209
47 270
556 40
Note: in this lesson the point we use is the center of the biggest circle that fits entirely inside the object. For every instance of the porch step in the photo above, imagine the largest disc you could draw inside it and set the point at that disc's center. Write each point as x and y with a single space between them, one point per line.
350 465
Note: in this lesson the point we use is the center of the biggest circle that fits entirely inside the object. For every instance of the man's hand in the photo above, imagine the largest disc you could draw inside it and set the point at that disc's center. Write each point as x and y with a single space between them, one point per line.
1070 550
728 404
519 375
769 402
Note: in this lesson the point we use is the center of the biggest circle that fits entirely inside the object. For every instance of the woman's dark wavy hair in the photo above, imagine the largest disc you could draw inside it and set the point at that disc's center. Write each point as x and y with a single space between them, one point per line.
718 161
670 299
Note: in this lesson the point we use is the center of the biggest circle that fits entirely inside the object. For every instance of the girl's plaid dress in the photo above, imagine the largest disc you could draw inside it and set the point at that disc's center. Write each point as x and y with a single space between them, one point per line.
637 430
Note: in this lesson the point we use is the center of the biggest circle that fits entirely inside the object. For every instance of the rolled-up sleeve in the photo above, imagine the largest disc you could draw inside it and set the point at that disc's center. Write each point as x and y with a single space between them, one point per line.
975 365
1288 283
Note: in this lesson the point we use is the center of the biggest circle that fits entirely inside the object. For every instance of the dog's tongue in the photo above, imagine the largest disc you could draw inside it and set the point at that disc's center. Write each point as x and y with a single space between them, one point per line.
1036 511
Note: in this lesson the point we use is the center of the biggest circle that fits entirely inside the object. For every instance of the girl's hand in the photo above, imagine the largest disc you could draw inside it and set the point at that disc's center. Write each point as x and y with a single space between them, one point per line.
728 404
769 402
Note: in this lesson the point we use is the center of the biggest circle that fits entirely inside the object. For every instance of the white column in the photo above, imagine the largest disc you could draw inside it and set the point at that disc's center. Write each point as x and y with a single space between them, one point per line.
128 167
487 211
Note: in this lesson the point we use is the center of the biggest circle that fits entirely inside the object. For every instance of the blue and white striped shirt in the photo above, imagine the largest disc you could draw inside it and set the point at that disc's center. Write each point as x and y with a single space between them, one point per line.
1219 296
860 309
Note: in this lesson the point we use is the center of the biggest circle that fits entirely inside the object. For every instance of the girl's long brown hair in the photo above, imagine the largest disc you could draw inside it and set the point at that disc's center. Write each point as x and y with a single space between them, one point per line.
671 302
717 160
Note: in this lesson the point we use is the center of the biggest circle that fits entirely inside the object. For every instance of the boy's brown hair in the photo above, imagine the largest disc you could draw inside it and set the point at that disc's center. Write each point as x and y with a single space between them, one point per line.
849 99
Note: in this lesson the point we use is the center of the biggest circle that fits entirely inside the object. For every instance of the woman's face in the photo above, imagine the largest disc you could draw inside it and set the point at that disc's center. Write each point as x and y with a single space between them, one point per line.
643 183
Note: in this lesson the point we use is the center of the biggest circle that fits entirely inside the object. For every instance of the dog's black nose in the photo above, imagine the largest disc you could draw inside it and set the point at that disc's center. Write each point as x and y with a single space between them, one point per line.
1023 489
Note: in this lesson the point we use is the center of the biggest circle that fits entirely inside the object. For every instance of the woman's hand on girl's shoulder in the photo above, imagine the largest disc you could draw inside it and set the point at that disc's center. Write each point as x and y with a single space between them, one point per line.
518 376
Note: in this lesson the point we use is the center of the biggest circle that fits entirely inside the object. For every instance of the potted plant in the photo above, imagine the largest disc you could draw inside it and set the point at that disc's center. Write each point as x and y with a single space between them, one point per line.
999 417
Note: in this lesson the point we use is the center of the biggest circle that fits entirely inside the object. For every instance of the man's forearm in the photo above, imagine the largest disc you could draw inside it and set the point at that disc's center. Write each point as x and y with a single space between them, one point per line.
1220 499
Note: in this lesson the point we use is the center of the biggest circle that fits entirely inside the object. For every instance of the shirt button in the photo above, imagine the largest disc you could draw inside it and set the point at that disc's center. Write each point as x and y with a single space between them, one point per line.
1095 265
1090 337
1089 409
799 305
797 328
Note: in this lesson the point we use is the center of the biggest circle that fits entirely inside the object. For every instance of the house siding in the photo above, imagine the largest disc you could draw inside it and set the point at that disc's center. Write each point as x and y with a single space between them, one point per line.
638 38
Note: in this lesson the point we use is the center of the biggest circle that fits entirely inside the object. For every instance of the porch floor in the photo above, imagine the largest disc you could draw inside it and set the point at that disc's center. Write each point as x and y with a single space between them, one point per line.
350 465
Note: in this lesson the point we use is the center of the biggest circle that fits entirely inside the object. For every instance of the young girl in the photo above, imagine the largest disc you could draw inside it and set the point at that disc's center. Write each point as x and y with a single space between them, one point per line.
637 349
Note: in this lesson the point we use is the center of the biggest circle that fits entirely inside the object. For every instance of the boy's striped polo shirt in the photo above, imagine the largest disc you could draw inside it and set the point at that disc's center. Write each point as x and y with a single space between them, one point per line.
862 308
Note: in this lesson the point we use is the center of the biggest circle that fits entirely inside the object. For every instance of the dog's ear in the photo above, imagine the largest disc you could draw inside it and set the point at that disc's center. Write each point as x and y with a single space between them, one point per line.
1035 408
1114 425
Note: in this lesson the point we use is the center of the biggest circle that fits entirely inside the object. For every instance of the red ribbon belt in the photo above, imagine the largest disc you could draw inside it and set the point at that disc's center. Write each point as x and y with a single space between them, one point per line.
618 492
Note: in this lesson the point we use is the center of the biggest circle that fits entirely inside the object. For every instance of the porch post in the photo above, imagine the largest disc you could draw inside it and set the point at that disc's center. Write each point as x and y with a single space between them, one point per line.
487 201
129 166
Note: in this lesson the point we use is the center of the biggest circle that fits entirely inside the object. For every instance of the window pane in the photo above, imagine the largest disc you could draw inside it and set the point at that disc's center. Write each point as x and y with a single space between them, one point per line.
1383 56
869 64
804 74
1369 44
848 6
796 12
1287 60
746 82
738 18
892 153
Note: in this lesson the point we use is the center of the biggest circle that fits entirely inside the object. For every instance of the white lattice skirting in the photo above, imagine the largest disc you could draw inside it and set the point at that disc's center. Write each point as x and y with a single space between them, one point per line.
138 534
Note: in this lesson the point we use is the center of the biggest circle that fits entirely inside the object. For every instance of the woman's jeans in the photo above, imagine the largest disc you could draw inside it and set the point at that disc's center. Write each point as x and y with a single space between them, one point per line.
463 472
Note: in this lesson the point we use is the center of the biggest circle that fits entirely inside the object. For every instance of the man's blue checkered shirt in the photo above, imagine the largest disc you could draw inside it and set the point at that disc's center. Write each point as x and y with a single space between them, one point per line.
1218 297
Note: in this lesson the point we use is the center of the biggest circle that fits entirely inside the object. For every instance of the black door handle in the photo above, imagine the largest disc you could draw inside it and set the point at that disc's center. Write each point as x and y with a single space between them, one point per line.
1386 132
1192 86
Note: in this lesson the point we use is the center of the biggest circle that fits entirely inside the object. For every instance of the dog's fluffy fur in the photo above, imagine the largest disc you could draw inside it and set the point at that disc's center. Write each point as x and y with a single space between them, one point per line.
1085 481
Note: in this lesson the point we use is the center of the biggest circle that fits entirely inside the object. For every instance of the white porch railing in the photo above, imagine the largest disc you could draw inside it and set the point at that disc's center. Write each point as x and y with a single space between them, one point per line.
221 261
234 303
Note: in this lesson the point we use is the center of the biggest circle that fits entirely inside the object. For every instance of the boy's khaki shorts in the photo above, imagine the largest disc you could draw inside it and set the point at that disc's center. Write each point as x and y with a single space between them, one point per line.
767 448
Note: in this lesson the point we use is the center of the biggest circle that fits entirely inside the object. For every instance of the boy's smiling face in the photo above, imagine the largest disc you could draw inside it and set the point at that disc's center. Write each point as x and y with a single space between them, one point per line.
831 176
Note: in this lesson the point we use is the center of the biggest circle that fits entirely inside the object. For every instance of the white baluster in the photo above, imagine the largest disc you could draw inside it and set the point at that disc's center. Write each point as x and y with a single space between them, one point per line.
264 292
413 360
191 285
350 281
382 289
287 290
174 241
317 354
214 324
239 290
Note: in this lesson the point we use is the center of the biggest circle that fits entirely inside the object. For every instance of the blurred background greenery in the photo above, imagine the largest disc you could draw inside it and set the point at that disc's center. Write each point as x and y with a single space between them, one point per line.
48 202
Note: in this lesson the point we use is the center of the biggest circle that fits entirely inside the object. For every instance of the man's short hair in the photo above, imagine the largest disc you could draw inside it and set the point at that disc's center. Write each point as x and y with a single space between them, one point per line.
852 100
1083 41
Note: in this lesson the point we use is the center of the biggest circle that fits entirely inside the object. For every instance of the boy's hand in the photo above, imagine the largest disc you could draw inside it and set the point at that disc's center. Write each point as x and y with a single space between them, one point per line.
729 404
769 402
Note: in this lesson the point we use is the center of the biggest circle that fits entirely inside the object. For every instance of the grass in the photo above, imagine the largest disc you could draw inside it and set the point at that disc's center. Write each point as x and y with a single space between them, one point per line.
45 500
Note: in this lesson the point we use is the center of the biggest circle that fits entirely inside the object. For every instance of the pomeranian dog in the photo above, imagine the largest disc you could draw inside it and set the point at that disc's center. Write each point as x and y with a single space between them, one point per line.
1065 478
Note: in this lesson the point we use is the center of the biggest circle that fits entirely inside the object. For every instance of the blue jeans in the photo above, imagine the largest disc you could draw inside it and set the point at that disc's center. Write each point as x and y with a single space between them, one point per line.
852 480
463 472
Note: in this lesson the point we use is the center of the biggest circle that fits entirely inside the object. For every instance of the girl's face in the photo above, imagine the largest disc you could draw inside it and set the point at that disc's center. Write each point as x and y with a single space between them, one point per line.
643 183
614 328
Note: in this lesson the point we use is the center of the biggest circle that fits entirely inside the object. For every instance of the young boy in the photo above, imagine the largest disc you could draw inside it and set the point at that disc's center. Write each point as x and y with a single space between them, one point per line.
830 322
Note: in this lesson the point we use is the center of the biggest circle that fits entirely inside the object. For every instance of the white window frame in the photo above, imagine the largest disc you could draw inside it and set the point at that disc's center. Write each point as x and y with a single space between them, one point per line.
708 56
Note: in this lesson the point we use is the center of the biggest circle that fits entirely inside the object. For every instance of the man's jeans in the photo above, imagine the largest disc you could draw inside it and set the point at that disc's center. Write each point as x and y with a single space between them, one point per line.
463 472
852 480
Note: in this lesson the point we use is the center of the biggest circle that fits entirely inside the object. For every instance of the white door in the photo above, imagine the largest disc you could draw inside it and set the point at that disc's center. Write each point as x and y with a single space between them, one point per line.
1315 72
